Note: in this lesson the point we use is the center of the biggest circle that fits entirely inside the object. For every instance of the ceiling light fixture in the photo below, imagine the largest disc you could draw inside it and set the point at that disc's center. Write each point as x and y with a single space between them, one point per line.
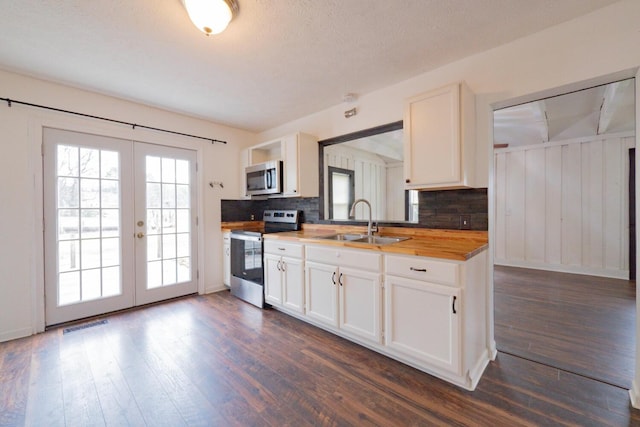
211 16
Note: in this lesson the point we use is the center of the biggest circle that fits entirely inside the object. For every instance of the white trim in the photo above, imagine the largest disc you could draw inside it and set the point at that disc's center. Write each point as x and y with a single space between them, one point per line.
35 135
566 142
15 334
634 395
475 373
629 73
634 392
572 269
200 185
491 210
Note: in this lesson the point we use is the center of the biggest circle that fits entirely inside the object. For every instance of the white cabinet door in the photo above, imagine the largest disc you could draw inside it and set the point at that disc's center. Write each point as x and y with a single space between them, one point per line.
272 279
360 303
423 321
244 162
290 166
226 259
321 292
439 139
293 284
433 132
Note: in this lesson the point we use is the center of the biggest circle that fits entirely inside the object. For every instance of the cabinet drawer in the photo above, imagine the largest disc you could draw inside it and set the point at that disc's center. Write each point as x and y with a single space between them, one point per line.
278 247
360 259
419 268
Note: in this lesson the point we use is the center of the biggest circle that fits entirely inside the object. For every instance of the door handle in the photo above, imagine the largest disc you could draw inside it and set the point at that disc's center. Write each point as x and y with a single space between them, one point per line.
283 266
340 279
140 235
453 305
279 269
333 278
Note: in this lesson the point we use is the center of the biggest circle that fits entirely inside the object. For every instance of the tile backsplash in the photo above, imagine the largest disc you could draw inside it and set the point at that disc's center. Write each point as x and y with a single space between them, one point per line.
437 209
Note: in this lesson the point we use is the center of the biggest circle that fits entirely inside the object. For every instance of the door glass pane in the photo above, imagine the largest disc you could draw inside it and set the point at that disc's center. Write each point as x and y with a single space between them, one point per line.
182 172
89 163
88 228
168 228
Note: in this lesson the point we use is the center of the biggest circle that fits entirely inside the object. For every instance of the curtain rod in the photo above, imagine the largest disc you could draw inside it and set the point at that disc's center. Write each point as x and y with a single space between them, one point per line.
133 125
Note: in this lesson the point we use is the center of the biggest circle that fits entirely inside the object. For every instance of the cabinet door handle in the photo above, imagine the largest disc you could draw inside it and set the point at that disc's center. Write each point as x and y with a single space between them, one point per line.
422 270
283 266
407 180
340 279
279 269
333 278
453 305
228 253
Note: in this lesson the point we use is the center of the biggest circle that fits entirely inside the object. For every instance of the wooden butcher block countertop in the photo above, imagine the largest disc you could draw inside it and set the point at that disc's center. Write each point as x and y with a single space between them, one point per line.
459 245
242 225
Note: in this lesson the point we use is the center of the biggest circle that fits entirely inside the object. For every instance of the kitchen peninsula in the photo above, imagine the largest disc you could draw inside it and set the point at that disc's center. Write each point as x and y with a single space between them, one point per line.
422 301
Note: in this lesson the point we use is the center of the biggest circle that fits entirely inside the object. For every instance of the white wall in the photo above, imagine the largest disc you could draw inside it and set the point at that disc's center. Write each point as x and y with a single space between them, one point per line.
595 45
395 192
21 259
564 206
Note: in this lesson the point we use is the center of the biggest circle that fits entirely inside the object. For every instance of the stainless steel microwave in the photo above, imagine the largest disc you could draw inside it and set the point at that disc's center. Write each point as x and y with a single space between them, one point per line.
264 178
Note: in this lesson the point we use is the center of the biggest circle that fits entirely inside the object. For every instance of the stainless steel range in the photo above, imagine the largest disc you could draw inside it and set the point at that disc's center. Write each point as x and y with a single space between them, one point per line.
247 272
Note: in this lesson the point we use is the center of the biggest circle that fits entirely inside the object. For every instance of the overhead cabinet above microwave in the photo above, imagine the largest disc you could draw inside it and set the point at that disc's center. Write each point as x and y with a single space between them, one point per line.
299 168
440 139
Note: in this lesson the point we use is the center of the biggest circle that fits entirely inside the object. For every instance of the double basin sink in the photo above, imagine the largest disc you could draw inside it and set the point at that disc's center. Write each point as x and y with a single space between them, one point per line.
363 238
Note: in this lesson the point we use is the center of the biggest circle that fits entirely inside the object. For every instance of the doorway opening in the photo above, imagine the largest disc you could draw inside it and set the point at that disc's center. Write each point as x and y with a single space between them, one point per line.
562 289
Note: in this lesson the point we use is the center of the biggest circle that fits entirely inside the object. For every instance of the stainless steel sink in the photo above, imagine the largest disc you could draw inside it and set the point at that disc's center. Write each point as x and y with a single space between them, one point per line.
380 240
363 238
343 237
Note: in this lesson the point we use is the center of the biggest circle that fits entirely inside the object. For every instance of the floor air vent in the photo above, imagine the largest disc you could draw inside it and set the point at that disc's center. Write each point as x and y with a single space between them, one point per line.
84 326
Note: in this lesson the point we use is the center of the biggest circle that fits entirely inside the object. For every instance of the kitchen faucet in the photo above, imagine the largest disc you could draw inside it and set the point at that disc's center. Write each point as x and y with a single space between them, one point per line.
353 212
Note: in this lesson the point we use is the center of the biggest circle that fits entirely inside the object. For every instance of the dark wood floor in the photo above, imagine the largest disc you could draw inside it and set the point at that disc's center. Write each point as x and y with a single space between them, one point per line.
215 360
581 324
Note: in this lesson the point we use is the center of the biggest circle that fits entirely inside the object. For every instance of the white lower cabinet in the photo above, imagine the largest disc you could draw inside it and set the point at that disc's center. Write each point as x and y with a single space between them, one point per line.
427 312
436 315
321 293
344 290
423 321
284 275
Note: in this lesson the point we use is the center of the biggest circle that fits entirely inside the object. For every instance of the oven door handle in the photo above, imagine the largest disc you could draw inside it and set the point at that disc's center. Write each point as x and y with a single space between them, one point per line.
245 237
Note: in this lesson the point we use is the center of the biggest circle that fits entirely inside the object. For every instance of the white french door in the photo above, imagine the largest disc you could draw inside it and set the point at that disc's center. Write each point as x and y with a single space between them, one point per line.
119 224
165 222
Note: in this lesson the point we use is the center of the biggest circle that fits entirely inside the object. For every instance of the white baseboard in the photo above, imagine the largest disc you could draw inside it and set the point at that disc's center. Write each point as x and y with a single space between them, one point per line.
634 394
573 269
493 351
213 289
476 372
15 334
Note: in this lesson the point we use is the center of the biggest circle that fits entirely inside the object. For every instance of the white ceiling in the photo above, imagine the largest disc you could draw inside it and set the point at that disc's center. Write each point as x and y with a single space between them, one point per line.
277 61
596 111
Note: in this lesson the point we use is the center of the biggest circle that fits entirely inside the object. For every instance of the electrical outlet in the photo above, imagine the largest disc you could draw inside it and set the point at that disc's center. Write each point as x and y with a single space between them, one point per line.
253 217
465 222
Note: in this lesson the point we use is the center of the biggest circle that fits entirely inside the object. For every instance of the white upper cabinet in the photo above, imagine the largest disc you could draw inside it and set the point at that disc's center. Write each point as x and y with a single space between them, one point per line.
439 139
299 155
